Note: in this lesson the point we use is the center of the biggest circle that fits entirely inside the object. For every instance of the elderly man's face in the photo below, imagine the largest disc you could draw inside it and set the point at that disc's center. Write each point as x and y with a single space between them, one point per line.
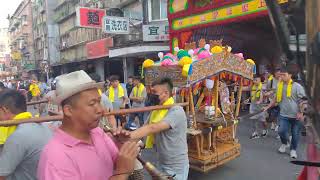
87 110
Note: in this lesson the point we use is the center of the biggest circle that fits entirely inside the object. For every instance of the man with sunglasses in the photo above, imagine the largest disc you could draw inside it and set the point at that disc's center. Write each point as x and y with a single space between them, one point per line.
167 130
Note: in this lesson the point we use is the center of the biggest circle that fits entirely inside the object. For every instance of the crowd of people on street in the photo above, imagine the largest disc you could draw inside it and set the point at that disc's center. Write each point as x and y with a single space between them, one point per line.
78 147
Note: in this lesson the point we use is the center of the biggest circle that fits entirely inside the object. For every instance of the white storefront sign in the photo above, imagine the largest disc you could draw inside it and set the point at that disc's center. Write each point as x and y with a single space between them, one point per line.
116 25
156 32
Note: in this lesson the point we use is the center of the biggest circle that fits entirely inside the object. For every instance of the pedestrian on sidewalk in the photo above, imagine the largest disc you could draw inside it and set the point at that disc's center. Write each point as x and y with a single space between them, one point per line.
137 96
167 130
289 96
21 151
79 149
255 106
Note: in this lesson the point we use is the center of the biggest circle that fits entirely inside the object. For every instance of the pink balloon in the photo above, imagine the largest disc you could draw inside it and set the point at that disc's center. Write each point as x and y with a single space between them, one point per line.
196 51
240 55
166 62
171 56
204 54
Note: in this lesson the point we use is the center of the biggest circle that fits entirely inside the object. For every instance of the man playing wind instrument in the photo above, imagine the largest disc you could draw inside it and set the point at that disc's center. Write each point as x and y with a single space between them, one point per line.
79 149
167 131
289 95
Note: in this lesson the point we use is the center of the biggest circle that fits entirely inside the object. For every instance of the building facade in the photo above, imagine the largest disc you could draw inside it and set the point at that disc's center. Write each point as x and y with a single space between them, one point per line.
4 50
147 36
21 37
73 38
45 35
85 44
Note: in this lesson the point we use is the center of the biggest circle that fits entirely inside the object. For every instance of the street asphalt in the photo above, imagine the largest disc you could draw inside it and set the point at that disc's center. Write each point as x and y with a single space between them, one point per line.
259 160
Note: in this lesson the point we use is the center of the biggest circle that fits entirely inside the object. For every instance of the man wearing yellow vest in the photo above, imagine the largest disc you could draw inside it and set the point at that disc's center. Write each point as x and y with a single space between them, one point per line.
137 96
255 106
289 96
167 131
117 95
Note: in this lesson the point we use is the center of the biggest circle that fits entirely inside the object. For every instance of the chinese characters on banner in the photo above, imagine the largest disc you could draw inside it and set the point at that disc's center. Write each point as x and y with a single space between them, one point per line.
156 32
89 17
221 14
116 25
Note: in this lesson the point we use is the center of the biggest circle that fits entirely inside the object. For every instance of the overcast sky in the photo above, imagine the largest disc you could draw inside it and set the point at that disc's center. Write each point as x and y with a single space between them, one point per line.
7 7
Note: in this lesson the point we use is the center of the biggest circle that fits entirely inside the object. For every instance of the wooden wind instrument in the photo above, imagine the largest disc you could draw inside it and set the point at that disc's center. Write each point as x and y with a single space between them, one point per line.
60 117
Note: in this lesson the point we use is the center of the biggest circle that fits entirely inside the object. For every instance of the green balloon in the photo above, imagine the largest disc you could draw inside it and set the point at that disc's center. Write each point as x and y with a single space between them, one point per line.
182 53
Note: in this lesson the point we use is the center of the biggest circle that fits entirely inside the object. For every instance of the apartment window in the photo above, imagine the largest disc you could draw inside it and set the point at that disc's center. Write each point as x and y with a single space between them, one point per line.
157 10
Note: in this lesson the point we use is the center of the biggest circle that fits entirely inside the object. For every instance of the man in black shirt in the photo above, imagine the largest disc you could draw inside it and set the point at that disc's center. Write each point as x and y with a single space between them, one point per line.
129 85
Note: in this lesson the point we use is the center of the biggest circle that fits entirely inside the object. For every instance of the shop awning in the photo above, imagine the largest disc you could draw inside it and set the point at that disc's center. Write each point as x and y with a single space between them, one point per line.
136 50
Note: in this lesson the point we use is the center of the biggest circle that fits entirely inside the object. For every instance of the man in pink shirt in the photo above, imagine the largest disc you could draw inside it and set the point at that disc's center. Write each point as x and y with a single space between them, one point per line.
79 149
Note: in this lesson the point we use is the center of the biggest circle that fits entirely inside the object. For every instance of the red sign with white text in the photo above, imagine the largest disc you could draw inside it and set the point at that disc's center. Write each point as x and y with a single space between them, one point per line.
99 48
90 17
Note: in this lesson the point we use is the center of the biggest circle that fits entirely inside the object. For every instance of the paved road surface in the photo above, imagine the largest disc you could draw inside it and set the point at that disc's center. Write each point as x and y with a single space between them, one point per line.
259 160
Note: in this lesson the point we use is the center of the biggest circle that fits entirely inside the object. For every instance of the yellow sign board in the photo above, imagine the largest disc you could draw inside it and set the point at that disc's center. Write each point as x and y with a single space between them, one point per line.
220 14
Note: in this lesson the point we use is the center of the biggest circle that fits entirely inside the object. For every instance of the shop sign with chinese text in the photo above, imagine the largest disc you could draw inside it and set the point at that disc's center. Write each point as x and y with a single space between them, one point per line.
90 17
116 25
156 32
244 8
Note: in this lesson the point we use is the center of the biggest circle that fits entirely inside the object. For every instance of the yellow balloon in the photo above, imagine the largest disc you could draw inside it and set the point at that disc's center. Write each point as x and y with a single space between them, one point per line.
147 63
216 49
185 70
185 60
250 61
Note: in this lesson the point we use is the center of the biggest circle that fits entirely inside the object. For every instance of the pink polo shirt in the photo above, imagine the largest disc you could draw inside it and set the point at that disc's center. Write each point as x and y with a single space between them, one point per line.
67 158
